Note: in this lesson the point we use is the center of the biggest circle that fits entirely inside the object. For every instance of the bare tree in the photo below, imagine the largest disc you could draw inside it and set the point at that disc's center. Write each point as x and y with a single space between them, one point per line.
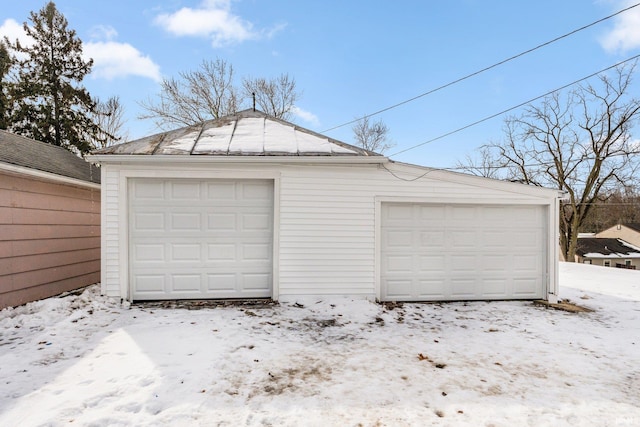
580 143
372 136
622 206
210 93
276 97
485 164
109 116
197 96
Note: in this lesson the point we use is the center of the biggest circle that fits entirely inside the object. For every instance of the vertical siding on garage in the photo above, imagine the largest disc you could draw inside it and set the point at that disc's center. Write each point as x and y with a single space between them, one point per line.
49 238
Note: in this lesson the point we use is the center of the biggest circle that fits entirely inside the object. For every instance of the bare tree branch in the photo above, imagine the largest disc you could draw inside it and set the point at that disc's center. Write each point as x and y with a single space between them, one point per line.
579 142
372 136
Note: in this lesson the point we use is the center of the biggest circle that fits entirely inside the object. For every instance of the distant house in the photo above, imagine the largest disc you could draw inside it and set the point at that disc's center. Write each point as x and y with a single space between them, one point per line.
49 220
629 232
249 206
608 252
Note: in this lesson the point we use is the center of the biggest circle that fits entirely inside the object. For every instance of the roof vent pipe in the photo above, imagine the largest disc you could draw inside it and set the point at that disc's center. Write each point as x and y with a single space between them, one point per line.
254 101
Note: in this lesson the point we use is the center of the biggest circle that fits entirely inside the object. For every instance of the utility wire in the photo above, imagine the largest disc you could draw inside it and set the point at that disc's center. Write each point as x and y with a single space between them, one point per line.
484 69
514 107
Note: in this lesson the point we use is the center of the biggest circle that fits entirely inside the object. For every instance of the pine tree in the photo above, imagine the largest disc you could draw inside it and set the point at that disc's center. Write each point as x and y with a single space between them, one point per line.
50 104
5 66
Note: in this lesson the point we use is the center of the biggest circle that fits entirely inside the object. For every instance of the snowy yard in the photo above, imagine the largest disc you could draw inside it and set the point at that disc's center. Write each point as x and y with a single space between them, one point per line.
87 360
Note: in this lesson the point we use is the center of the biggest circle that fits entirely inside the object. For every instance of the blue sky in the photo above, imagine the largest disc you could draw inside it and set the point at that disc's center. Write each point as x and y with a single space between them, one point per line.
352 58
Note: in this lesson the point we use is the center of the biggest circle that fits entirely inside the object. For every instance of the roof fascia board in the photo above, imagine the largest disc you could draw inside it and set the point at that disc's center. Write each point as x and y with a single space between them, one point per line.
133 158
460 178
47 175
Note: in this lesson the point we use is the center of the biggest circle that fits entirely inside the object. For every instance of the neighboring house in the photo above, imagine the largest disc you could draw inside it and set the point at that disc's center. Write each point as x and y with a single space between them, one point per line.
608 252
629 232
249 206
49 220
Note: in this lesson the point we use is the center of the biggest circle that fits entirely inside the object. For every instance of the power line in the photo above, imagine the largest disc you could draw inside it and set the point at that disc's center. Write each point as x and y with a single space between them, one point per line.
515 107
484 69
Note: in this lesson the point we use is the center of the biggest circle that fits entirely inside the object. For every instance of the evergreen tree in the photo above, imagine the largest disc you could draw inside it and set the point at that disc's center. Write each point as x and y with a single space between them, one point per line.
50 104
5 65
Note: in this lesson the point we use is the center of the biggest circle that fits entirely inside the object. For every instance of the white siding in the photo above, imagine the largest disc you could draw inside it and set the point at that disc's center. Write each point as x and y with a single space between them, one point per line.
110 233
327 216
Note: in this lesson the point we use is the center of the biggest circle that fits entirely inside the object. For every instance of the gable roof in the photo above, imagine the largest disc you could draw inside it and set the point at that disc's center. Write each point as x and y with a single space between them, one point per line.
247 133
635 226
603 247
28 153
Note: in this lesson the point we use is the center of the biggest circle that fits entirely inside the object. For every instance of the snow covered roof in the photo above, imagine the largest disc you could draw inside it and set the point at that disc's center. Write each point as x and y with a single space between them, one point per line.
247 133
600 247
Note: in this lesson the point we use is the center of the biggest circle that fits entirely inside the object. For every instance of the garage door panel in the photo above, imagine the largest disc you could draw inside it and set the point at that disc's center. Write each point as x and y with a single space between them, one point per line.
430 214
149 221
148 253
221 282
431 289
256 252
148 190
492 263
185 221
256 282
495 287
201 239
431 264
185 283
462 264
432 238
256 222
221 222
394 239
526 288
257 191
399 264
400 289
185 252
221 191
221 252
464 252
149 283
462 240
526 264
463 288
493 239
463 213
398 213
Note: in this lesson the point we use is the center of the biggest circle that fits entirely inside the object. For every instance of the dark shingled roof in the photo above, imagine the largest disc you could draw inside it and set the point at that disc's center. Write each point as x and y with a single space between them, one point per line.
605 246
29 153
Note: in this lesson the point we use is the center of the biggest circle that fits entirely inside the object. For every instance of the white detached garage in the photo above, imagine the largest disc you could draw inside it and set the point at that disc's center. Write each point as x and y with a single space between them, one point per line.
249 206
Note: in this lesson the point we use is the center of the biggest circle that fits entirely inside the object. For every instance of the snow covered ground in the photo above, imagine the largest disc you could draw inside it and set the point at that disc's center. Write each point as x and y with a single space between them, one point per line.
87 360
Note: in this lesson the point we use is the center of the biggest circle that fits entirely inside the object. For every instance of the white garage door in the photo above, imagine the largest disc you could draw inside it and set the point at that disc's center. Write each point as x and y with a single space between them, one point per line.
196 239
441 252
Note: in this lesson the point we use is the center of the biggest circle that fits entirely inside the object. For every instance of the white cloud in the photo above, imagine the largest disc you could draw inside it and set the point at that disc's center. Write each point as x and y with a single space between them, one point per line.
14 30
305 116
212 19
112 60
625 34
103 32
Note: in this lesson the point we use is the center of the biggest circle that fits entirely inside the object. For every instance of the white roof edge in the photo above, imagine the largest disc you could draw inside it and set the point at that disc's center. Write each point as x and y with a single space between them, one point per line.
8 167
516 187
137 158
